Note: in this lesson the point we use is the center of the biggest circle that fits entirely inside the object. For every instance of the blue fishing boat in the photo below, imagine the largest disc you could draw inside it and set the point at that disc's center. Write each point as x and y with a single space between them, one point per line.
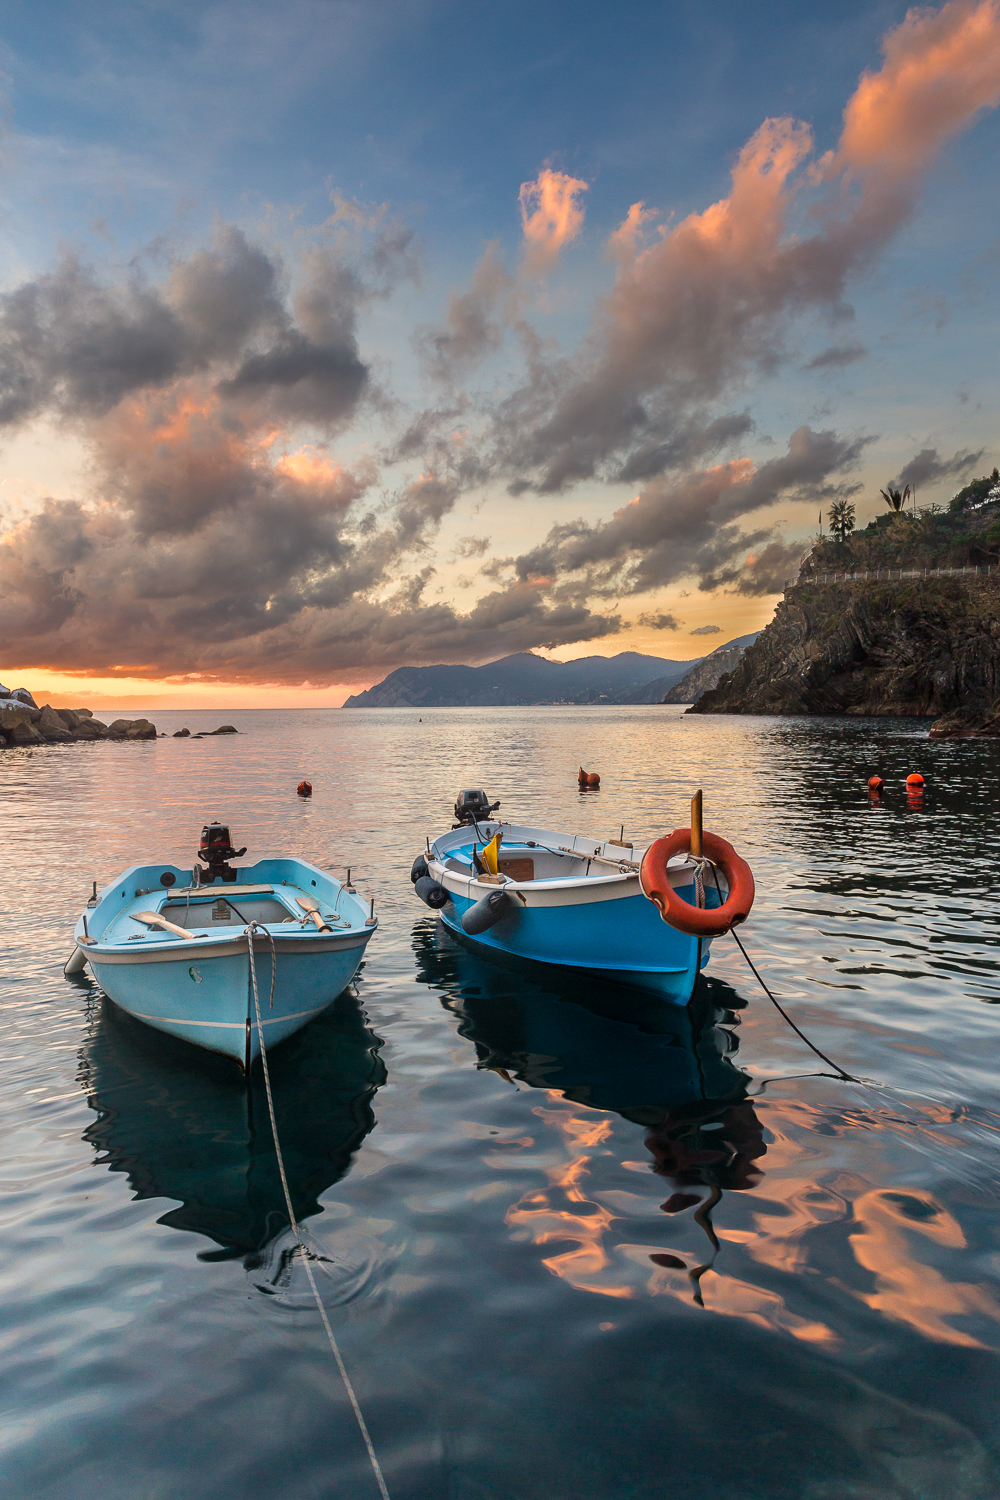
176 948
641 914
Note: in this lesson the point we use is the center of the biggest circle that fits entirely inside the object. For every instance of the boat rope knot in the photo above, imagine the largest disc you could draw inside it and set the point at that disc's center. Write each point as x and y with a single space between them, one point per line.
293 1221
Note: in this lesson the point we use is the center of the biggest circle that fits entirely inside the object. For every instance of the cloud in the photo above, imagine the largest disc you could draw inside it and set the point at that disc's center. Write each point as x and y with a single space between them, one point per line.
222 537
768 571
472 546
706 630
75 346
687 526
836 357
709 302
659 622
470 329
940 69
927 468
551 216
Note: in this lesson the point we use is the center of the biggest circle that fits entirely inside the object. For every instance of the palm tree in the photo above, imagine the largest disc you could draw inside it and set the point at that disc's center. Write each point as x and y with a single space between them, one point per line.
895 498
841 514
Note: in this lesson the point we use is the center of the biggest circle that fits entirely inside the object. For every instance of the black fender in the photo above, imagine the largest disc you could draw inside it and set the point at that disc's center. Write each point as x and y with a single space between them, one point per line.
418 868
431 894
487 912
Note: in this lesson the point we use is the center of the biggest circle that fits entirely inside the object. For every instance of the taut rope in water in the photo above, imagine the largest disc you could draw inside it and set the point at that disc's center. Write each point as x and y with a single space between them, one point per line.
841 1073
256 926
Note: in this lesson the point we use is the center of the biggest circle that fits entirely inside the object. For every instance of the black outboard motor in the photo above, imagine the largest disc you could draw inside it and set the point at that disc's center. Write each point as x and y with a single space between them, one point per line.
215 850
472 807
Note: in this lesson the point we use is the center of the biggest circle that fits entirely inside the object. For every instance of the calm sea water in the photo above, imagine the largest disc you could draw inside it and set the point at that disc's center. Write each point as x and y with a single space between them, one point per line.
574 1244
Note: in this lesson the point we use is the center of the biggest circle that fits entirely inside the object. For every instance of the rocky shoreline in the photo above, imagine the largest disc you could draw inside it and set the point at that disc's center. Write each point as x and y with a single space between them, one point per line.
22 724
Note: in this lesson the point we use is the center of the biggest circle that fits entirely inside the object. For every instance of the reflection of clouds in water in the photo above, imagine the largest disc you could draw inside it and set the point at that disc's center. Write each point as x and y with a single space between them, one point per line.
563 1214
906 1288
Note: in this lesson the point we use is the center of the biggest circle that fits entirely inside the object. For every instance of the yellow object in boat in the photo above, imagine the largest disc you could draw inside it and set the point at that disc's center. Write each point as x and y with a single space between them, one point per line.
491 852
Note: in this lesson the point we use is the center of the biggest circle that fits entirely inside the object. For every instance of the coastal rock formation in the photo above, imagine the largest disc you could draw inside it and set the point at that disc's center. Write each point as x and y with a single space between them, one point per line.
707 673
21 724
16 695
133 729
916 646
980 723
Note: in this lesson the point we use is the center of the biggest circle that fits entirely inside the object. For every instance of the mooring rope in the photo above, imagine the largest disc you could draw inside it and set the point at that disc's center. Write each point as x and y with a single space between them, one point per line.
256 926
841 1072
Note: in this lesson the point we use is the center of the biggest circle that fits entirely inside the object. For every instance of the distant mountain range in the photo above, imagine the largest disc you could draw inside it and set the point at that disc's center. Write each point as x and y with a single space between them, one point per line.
523 679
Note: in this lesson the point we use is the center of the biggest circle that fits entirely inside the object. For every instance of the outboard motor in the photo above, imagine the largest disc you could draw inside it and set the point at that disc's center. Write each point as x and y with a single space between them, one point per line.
471 807
215 851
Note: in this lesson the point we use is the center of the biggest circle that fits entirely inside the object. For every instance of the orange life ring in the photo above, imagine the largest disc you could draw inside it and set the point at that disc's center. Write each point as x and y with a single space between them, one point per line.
696 921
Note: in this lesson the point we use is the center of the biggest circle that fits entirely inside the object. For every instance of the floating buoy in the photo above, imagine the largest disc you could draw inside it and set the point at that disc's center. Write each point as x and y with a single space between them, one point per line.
304 789
589 778
915 791
876 785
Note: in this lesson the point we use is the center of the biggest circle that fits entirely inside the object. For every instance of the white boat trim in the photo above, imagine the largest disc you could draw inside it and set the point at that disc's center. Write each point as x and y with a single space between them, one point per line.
174 951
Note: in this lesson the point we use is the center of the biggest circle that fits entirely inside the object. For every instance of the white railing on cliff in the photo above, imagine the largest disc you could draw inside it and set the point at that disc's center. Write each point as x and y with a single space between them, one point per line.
889 573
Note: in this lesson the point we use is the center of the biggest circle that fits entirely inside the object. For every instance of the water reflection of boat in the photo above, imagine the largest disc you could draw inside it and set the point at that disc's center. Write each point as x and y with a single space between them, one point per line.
181 1126
669 1069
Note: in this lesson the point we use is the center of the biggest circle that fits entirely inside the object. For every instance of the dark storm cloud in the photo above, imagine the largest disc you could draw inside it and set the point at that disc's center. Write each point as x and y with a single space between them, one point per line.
767 571
74 345
928 468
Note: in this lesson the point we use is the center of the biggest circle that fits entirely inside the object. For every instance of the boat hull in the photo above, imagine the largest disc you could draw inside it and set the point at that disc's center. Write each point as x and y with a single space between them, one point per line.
623 940
206 997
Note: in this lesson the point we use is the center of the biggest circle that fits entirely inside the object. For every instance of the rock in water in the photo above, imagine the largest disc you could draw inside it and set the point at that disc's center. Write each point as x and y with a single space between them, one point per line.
51 727
225 729
182 734
132 729
981 723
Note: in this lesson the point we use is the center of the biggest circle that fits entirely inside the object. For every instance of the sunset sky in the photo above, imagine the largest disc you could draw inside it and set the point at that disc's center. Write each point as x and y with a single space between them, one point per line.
338 337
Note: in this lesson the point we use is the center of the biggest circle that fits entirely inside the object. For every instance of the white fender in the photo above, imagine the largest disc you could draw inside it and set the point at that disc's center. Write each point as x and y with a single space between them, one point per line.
76 961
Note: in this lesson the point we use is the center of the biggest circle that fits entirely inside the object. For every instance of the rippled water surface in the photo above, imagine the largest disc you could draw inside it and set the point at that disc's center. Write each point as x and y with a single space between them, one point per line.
574 1243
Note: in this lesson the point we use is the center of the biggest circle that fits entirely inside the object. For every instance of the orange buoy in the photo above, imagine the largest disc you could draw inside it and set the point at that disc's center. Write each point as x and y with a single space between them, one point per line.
876 785
697 921
304 789
589 778
914 782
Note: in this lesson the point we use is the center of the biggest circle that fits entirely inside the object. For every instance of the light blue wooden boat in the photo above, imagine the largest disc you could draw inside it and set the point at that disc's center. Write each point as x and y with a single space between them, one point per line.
197 986
567 900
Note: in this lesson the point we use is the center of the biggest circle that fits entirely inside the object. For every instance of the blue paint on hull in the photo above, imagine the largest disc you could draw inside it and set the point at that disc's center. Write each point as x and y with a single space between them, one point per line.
207 1001
623 940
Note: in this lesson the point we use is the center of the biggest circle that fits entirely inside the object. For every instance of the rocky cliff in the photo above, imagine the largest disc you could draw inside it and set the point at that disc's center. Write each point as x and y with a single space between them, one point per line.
917 646
707 673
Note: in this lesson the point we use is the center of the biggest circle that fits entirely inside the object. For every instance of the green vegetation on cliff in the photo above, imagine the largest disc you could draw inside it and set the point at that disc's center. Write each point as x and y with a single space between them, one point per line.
967 534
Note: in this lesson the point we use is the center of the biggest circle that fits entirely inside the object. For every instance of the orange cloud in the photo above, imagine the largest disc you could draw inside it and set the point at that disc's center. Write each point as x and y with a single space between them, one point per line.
623 244
940 69
550 216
